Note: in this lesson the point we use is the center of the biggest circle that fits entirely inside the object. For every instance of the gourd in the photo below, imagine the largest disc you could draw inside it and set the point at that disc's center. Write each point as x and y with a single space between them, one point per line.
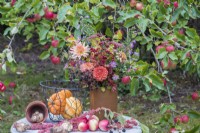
73 108
57 101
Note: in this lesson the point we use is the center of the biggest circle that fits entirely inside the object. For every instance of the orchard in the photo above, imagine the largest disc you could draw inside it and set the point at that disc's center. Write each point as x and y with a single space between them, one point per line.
100 66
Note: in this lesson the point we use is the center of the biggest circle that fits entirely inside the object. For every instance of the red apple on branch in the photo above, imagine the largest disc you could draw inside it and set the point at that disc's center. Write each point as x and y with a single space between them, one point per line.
170 48
195 96
126 80
139 6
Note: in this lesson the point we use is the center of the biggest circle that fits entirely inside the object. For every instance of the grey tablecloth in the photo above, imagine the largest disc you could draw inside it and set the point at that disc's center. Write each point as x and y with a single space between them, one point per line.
136 129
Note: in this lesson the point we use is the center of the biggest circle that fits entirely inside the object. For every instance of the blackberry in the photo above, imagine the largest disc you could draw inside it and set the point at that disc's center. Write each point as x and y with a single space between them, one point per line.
124 130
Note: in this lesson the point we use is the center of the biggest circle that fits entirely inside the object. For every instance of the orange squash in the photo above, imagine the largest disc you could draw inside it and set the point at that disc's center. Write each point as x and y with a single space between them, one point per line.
73 108
57 101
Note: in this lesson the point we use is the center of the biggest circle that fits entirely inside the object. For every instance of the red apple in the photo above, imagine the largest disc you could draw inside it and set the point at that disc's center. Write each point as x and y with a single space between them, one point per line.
188 55
170 48
171 65
181 31
2 87
37 17
164 82
12 85
185 119
126 80
13 2
175 4
54 43
159 1
159 47
10 100
172 130
93 124
103 125
195 96
177 119
133 3
48 14
139 6
55 60
83 127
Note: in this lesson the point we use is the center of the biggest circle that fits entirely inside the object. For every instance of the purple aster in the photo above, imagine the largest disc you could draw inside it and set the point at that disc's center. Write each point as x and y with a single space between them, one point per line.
113 64
136 54
133 44
115 77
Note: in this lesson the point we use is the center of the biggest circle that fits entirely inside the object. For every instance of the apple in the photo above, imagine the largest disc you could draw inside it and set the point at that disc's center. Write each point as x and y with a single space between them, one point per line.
181 31
12 85
93 117
48 15
2 87
83 127
55 60
175 4
93 124
133 3
103 125
159 47
172 130
10 100
139 6
164 82
54 43
171 65
195 96
185 118
177 119
174 23
170 48
37 17
188 55
13 2
126 80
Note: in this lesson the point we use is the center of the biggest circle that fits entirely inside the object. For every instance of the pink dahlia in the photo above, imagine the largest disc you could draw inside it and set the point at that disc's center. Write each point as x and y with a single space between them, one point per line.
100 73
86 66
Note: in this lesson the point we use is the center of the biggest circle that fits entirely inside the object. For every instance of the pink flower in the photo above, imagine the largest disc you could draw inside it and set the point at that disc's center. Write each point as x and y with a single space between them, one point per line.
86 66
175 4
100 73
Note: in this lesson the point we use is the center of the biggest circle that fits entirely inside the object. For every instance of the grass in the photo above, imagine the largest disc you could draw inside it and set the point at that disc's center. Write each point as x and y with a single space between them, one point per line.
28 90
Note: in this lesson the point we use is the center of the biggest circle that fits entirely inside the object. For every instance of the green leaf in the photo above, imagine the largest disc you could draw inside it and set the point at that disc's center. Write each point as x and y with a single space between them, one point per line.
109 32
4 9
62 12
156 81
194 114
144 128
134 86
66 74
162 53
146 84
194 130
191 32
176 14
44 55
142 24
129 22
173 56
157 34
109 3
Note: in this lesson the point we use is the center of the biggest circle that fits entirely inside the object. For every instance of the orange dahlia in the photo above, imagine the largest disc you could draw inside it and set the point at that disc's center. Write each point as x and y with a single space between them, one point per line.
86 66
100 73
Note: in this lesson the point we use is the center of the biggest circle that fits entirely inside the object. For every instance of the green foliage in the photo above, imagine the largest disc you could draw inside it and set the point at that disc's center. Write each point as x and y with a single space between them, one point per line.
150 27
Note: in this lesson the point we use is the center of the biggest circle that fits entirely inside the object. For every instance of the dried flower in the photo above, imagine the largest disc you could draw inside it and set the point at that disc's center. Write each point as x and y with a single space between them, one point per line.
100 73
121 56
86 66
79 50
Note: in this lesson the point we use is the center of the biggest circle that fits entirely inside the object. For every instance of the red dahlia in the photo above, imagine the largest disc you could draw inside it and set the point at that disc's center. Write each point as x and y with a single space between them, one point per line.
100 73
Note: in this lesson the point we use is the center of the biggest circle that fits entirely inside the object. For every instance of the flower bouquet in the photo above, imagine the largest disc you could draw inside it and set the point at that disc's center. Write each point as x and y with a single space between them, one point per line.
100 62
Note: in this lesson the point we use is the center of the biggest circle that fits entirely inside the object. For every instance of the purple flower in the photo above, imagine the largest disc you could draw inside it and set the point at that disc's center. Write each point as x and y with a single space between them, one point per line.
113 64
115 77
133 44
136 54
